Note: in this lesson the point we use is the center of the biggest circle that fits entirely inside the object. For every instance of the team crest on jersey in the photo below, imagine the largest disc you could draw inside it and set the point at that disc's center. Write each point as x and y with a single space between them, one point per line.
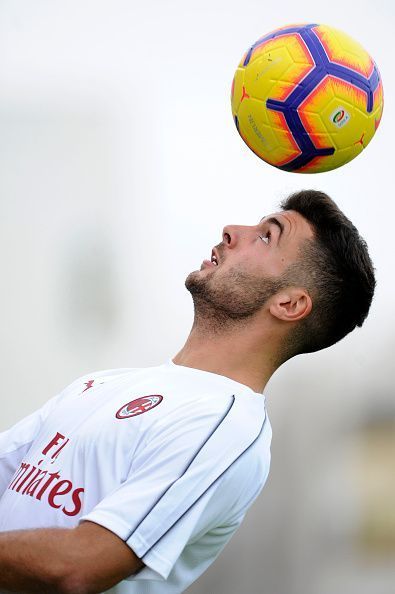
139 406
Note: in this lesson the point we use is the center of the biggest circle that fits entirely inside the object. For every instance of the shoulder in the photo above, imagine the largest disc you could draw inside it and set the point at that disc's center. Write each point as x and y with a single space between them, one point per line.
248 472
244 479
245 421
252 462
94 377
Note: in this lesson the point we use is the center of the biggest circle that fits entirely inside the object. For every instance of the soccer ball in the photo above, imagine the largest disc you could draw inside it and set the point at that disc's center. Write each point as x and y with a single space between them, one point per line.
307 98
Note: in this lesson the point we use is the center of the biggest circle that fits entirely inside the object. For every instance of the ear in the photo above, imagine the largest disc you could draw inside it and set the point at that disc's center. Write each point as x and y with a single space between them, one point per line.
291 305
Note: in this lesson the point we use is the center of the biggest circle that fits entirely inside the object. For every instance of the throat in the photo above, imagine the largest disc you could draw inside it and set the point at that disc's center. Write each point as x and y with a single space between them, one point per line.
229 351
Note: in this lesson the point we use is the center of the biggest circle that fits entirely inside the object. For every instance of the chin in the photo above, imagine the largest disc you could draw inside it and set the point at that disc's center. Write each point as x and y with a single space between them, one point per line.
195 281
191 278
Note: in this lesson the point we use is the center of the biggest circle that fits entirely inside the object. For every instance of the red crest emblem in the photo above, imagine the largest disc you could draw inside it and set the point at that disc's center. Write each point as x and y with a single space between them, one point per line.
139 406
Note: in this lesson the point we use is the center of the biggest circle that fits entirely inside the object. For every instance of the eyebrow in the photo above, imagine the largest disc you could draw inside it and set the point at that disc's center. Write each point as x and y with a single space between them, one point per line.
274 221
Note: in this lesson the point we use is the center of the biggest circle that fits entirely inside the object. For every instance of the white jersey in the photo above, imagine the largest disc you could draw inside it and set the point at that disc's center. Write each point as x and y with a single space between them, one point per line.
169 458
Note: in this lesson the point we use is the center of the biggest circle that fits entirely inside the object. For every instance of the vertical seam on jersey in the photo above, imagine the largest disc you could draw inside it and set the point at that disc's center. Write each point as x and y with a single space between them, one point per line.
205 491
185 469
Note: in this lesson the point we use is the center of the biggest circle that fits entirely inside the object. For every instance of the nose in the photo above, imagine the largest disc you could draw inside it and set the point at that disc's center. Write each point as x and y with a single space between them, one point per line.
233 234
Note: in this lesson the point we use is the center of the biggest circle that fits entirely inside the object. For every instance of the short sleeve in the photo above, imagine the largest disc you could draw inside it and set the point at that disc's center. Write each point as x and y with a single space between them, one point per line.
169 498
16 441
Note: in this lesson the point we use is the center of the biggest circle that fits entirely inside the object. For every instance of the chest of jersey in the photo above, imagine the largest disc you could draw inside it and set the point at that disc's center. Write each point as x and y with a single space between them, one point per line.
86 447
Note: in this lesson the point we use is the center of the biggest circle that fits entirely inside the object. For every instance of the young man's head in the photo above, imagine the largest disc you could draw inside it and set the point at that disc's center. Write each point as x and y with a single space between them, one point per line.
305 268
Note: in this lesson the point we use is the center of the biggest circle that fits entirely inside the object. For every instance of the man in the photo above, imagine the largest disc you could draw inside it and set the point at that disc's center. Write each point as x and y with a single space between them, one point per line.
141 476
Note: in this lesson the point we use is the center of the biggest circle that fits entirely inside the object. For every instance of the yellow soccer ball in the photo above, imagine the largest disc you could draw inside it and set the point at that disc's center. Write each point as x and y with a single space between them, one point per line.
307 98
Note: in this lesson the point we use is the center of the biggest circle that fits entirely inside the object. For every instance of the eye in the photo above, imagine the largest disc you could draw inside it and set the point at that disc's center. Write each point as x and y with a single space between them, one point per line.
266 237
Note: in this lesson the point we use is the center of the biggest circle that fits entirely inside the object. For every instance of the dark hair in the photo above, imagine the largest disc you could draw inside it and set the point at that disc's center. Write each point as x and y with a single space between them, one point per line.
335 268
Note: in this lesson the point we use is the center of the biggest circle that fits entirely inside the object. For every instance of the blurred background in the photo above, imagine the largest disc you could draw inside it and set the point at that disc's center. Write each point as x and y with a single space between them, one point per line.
119 166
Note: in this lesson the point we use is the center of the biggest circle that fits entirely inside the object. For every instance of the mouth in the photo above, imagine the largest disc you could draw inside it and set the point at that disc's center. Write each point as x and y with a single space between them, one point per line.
214 257
214 260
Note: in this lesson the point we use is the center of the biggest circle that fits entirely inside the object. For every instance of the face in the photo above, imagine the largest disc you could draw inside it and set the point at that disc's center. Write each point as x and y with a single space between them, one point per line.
250 264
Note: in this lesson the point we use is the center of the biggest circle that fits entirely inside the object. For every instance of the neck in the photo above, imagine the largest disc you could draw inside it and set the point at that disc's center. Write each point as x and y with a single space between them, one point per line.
235 351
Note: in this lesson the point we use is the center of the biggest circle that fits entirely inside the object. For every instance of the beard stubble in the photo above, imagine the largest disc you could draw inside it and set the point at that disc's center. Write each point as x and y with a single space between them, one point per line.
223 302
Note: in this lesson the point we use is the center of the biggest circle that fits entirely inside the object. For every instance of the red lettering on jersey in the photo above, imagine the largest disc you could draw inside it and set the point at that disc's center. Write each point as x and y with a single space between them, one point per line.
56 454
59 490
34 483
54 441
23 481
77 502
30 474
52 477
21 471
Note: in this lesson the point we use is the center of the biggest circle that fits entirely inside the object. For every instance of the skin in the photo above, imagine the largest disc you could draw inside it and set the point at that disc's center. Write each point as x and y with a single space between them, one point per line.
244 310
229 338
83 560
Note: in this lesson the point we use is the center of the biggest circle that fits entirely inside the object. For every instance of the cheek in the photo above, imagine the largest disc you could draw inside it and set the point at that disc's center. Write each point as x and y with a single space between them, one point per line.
273 265
259 262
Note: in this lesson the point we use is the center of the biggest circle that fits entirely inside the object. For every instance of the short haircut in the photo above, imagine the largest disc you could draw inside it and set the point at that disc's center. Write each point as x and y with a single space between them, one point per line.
336 269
